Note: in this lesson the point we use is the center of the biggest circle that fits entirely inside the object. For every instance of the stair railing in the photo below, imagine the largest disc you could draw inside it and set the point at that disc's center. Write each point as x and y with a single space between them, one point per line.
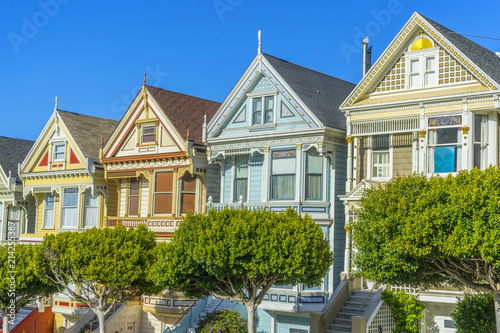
167 329
366 298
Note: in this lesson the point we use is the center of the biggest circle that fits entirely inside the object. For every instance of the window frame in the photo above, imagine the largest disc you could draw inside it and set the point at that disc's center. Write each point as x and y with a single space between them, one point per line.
85 207
459 145
274 176
18 221
155 192
63 207
235 178
376 151
484 142
422 56
54 152
138 195
182 191
142 126
307 173
44 224
263 97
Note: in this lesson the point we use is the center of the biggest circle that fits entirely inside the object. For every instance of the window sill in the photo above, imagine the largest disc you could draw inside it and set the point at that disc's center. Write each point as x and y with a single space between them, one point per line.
266 127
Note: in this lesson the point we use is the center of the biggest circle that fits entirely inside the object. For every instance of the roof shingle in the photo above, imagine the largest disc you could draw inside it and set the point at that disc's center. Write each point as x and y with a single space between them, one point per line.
12 152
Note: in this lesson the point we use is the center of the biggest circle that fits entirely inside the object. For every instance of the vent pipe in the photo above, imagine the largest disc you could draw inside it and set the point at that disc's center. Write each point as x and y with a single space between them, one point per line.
367 56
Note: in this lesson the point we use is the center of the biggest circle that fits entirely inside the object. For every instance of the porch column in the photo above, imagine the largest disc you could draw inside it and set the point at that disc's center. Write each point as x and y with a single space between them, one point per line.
347 252
265 175
298 172
422 152
348 184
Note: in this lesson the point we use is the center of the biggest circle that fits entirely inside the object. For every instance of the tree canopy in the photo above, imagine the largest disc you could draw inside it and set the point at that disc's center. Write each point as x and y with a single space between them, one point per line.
420 231
239 254
19 281
105 265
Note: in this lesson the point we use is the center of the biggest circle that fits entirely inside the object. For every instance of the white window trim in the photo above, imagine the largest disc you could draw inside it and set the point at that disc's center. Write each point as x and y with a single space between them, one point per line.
98 224
370 160
44 223
421 55
324 177
262 95
61 222
459 144
233 177
53 151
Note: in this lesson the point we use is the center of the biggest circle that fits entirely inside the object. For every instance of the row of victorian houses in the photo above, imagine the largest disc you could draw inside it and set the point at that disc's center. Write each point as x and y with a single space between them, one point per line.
285 135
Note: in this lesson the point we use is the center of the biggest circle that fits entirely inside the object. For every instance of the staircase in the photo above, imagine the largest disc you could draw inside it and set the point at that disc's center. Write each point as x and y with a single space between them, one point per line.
215 304
355 306
93 323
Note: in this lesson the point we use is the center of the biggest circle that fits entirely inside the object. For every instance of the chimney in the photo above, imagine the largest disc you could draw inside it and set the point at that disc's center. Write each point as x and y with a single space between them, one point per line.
367 56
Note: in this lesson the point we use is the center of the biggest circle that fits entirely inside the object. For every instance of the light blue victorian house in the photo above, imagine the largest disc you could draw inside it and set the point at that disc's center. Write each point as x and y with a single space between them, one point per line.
279 139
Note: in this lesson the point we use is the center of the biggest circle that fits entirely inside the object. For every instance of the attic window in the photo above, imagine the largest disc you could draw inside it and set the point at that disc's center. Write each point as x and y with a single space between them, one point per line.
58 151
149 134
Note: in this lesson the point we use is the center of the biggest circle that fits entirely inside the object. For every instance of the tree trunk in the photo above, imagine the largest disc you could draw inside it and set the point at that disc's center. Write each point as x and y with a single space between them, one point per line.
251 317
6 318
102 324
496 297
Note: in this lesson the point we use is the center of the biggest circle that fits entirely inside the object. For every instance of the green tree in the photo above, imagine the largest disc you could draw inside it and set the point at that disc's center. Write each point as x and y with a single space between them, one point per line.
421 231
475 313
239 254
19 281
106 265
222 321
406 309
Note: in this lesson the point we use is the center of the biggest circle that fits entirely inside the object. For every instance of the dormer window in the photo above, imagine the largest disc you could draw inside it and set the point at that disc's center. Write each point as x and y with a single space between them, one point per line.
263 106
58 151
148 134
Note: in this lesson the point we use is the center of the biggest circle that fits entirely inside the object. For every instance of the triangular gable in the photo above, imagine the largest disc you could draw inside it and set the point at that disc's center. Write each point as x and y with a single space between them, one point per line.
383 75
144 118
259 76
42 156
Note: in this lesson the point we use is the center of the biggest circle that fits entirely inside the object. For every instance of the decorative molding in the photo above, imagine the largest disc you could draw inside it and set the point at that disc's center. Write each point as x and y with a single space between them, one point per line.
422 133
465 130
147 164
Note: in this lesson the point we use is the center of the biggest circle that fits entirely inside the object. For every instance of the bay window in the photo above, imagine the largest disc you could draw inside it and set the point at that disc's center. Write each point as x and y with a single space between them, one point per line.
133 197
283 175
240 178
70 207
314 175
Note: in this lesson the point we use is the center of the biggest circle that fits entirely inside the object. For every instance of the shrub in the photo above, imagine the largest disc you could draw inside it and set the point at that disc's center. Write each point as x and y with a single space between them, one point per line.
475 313
225 321
406 309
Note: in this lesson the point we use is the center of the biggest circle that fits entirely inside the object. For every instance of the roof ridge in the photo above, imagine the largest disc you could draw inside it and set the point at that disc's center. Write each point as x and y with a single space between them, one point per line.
11 138
179 93
309 69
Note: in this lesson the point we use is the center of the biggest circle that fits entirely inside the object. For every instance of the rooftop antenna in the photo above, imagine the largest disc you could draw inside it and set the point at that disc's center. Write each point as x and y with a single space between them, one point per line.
259 50
55 107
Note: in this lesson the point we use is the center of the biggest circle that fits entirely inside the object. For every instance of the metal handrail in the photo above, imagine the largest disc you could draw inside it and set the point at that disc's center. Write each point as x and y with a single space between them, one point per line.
365 300
187 312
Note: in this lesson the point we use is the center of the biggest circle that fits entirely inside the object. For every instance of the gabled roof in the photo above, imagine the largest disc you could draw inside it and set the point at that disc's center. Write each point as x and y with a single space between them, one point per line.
481 56
483 64
322 93
12 152
87 131
184 111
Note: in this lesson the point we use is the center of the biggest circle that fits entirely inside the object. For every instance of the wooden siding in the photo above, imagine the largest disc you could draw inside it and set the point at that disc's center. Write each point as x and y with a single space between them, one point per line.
402 154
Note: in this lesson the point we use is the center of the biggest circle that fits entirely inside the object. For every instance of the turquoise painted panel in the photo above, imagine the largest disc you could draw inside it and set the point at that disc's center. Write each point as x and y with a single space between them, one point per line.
339 216
262 85
256 164
286 113
227 179
240 117
286 323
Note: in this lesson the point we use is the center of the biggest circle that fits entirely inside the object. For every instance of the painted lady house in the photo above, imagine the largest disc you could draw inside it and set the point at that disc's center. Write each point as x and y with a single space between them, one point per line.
428 105
63 176
278 140
158 164
16 212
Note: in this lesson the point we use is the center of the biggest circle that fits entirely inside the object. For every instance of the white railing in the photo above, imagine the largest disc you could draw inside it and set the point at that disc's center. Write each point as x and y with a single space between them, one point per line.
385 126
382 321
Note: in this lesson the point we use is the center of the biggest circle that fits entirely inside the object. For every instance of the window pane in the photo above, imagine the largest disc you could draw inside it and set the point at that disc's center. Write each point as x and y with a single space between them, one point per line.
70 199
415 81
257 104
430 64
134 186
189 183
283 165
480 128
414 66
48 219
14 214
133 205
269 103
257 111
430 78
49 201
447 135
445 159
240 188
148 134
313 186
163 203
70 217
283 187
164 181
241 166
256 117
269 117
314 162
187 202
380 142
380 165
91 201
90 217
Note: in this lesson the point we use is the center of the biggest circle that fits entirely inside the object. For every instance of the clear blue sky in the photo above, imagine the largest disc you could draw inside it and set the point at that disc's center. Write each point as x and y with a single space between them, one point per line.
92 54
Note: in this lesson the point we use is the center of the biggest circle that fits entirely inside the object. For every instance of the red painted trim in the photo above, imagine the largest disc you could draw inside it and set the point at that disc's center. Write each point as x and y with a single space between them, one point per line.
45 160
72 157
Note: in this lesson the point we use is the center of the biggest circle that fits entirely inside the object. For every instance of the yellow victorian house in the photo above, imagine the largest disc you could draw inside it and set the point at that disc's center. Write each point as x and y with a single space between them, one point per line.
64 177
